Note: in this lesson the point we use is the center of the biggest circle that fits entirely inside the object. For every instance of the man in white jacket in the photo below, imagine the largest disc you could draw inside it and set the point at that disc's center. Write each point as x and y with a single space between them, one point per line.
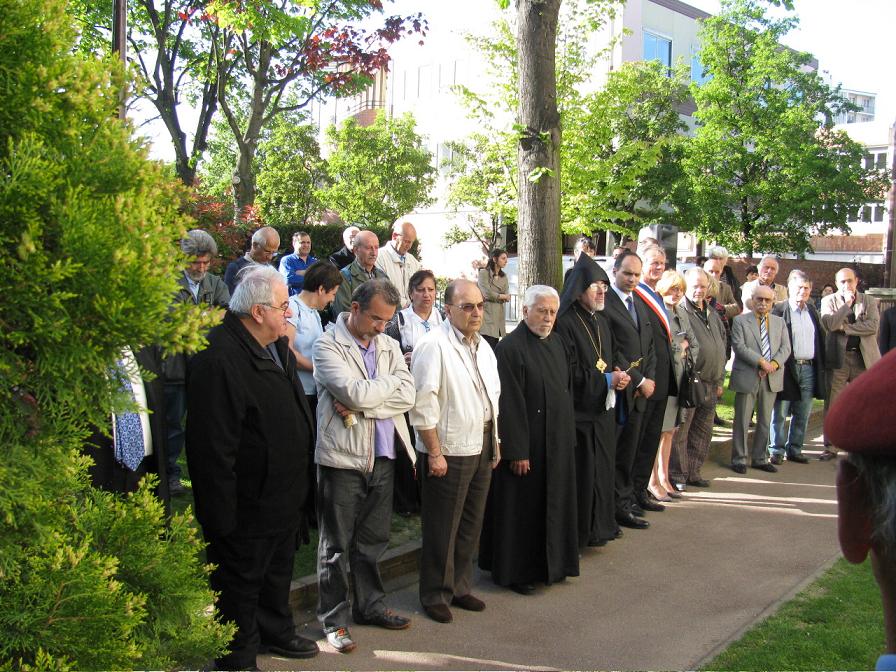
455 415
363 389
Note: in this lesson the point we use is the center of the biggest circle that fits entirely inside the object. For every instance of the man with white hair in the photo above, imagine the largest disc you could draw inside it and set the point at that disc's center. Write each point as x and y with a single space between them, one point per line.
395 259
197 286
265 243
249 435
768 271
530 531
344 255
456 418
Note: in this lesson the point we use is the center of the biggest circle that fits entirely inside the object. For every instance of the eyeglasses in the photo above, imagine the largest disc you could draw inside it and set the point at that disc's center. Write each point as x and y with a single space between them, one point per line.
469 307
760 299
282 308
602 286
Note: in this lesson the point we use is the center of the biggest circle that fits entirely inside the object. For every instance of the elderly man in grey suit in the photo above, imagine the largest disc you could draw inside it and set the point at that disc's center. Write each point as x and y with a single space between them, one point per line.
761 347
852 320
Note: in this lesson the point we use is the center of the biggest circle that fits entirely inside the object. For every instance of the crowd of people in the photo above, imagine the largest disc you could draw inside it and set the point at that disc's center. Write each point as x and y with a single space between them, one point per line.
342 393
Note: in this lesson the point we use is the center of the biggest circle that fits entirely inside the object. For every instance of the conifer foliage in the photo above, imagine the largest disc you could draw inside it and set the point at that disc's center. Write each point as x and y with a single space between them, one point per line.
88 232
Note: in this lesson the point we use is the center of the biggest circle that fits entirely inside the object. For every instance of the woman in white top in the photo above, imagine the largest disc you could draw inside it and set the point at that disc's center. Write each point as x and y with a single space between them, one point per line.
408 327
418 319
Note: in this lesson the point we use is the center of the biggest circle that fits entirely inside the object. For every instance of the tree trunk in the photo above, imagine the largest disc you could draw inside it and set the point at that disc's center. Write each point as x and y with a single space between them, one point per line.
538 152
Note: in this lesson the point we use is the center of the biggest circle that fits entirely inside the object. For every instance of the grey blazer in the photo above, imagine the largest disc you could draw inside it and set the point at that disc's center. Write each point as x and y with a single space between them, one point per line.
748 351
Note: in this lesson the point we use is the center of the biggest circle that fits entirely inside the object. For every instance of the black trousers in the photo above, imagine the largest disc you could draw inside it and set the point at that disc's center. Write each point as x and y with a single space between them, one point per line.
649 443
253 575
627 438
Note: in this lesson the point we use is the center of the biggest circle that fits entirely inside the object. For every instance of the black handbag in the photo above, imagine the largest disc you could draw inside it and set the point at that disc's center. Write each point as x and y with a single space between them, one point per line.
692 391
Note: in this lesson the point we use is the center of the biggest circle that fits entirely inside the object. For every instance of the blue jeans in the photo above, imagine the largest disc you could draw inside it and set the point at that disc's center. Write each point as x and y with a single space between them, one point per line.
792 443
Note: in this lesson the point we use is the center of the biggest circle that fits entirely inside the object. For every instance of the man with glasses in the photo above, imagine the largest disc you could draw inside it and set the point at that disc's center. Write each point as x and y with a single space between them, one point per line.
364 389
249 433
265 244
455 415
761 347
395 258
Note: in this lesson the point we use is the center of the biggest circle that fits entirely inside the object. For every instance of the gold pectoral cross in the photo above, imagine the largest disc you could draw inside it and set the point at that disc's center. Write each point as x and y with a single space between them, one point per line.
600 365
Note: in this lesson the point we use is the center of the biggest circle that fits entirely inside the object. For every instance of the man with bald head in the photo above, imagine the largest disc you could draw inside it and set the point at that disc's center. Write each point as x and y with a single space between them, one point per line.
265 243
395 258
768 271
852 320
761 347
366 248
455 415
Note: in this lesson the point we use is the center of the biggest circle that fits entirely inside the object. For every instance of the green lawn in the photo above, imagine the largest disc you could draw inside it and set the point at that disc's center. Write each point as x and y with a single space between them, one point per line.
835 624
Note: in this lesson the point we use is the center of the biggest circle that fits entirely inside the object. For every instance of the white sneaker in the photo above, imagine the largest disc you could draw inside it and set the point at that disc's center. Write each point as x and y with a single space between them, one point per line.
341 640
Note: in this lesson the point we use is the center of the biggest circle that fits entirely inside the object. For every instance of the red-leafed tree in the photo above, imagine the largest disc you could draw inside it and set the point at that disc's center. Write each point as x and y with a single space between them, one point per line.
277 56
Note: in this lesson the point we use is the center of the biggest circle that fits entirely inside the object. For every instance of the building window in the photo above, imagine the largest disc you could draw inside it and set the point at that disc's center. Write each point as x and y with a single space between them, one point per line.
698 72
866 213
881 160
879 213
657 48
869 161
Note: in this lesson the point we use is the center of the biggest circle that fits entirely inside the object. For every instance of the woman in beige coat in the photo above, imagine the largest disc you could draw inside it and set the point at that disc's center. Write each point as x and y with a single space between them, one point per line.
493 284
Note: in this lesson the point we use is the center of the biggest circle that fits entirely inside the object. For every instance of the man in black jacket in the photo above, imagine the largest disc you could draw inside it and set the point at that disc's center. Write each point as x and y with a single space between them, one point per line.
634 353
249 435
804 372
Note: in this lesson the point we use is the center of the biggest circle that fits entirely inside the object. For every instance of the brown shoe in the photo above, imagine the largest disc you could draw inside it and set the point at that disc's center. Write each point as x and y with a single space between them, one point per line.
468 602
438 612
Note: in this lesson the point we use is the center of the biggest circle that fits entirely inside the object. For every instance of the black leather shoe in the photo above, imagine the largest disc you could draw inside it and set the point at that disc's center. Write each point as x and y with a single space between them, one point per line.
618 533
522 588
629 520
597 543
679 486
646 502
438 612
387 619
799 459
636 509
739 468
468 602
698 482
776 459
295 647
765 466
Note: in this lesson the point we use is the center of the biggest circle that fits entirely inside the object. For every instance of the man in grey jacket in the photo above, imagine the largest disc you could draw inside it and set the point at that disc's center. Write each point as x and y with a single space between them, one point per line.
197 286
364 389
761 347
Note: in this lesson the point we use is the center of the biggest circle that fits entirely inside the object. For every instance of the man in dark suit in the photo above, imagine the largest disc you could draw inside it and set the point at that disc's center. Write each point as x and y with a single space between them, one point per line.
804 374
887 337
652 426
249 435
630 322
114 471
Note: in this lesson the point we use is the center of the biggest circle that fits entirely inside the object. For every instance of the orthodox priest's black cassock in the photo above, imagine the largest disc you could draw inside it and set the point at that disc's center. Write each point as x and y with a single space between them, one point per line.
589 343
529 533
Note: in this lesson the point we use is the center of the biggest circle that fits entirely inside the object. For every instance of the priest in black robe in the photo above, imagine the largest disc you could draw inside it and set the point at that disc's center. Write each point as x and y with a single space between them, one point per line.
589 342
529 534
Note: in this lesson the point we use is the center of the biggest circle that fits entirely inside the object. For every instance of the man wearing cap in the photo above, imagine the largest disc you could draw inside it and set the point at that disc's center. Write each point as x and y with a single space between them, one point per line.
761 347
861 423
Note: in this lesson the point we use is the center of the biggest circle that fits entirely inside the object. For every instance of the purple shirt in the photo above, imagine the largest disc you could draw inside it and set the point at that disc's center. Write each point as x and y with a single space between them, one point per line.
384 437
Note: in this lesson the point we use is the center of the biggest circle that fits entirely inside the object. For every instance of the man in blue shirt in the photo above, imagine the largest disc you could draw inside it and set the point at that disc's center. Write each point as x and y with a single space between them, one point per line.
293 266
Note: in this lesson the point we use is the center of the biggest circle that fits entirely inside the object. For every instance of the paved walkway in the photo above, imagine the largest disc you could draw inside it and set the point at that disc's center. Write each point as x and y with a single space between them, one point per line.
670 597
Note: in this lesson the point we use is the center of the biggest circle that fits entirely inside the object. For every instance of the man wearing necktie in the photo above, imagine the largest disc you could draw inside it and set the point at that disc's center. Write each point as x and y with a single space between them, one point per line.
630 321
761 346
